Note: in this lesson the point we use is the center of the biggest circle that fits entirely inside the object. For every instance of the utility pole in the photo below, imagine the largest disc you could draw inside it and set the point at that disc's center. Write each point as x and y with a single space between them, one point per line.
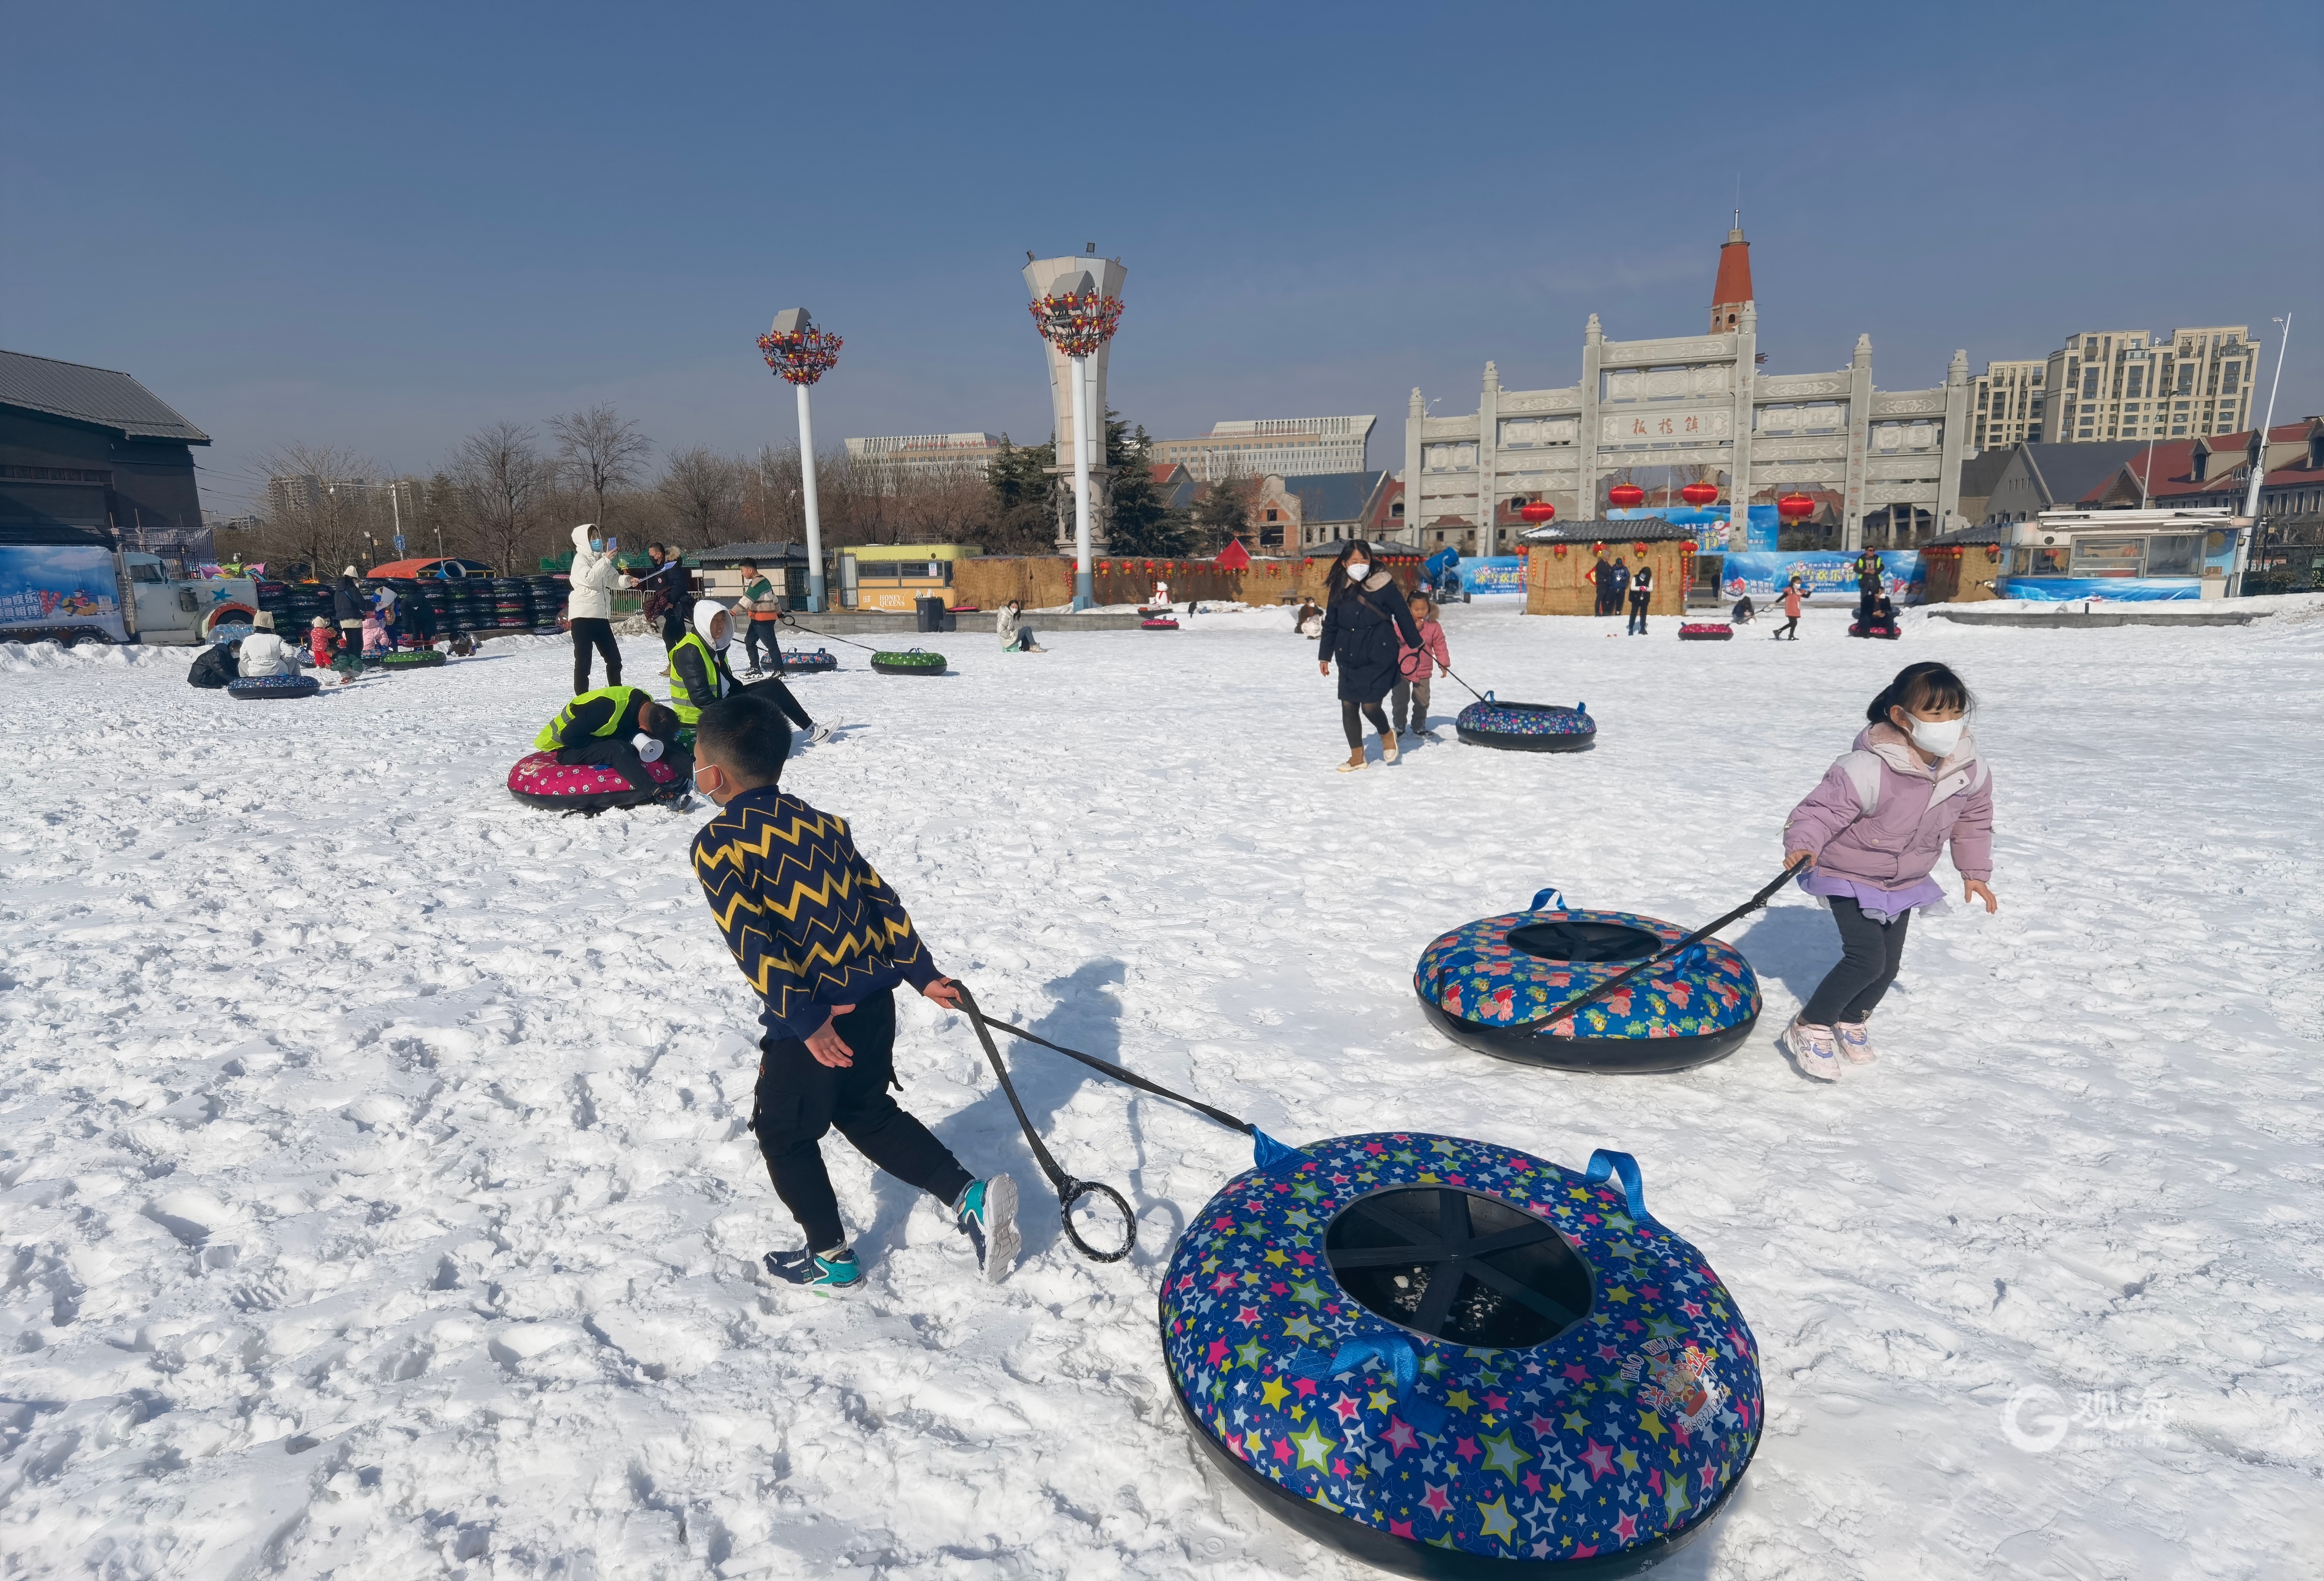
2259 462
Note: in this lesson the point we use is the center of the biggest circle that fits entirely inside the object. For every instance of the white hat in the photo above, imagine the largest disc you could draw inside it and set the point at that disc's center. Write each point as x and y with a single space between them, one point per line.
706 615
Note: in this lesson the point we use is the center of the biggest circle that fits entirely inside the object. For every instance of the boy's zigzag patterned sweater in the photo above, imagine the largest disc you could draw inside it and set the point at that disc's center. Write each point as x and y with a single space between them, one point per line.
810 923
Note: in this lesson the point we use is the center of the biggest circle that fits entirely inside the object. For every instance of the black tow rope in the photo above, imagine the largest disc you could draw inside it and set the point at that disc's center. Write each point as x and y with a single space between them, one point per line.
1689 943
830 636
1265 1148
1472 691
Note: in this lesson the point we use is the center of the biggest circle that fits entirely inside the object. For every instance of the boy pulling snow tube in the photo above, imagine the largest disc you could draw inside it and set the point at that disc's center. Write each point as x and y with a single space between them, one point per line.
1488 984
801 663
417 659
588 787
1525 727
267 688
1706 631
914 663
1450 1359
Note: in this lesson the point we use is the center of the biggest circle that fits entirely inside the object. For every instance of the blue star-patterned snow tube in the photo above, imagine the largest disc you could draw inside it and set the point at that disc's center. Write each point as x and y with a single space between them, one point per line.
1488 984
799 662
1449 1359
1525 727
267 688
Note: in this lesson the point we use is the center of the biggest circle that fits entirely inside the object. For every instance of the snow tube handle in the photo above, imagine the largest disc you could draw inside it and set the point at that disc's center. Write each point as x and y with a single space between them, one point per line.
1605 1162
1392 1351
1548 900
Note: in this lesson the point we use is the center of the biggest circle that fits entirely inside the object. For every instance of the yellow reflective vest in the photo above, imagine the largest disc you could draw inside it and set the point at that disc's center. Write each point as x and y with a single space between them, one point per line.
683 703
552 734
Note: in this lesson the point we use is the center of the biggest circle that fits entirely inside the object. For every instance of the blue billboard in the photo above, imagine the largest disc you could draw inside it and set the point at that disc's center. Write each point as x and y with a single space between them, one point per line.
1714 532
58 585
1493 574
1827 575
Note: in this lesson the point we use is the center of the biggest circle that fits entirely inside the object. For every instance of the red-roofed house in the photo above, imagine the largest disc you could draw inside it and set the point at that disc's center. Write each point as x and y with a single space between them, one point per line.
2288 548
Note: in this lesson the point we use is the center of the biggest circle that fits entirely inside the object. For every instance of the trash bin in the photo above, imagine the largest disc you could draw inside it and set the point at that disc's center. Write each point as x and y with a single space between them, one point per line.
930 609
951 621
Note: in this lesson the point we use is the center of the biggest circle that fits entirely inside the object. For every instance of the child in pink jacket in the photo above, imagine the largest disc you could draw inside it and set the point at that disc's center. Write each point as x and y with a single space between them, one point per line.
1871 831
1415 668
375 631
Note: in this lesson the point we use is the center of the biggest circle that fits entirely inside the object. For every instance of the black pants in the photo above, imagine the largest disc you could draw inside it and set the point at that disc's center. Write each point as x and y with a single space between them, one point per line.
1023 642
673 629
1638 602
757 634
1350 722
799 1099
1790 629
614 752
774 691
1870 955
592 632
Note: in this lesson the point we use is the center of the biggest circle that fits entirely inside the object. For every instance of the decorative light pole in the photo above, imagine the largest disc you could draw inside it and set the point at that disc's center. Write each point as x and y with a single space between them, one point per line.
799 353
1078 320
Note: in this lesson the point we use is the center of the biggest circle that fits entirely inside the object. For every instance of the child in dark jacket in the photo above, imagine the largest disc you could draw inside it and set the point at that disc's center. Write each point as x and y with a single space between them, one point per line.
825 942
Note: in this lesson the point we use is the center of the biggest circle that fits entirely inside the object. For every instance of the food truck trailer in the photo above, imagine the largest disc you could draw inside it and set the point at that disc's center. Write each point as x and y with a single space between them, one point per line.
2143 556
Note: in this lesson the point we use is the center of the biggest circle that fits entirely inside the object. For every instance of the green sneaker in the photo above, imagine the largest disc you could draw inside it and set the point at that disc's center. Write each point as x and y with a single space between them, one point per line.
987 1215
835 1271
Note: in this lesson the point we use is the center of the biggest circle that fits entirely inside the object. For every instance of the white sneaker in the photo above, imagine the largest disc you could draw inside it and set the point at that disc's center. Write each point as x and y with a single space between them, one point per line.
1811 1048
1855 1042
821 732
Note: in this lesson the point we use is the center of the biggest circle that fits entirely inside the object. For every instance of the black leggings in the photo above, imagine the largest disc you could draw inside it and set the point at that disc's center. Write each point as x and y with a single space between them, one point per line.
1870 955
1355 725
799 1099
773 690
593 631
1790 629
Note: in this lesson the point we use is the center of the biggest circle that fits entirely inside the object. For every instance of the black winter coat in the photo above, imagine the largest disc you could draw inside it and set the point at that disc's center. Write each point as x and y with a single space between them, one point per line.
346 601
215 665
1367 630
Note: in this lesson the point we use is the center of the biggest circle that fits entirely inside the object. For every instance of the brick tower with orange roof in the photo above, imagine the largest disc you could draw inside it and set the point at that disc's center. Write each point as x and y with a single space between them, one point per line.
1733 292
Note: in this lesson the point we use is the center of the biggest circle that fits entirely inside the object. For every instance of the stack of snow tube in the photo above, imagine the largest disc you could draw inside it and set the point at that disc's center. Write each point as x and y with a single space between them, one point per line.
1488 984
548 595
544 782
417 659
511 604
267 688
799 662
1525 727
470 604
1706 631
1445 1358
915 662
1159 623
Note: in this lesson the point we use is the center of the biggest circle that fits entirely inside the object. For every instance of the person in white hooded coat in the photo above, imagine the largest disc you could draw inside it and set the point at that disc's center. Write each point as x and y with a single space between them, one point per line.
265 654
590 609
699 675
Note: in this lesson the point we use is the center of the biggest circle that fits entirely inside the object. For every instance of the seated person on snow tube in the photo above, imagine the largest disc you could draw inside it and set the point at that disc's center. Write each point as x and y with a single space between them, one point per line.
215 666
1744 613
698 676
620 728
263 653
1881 622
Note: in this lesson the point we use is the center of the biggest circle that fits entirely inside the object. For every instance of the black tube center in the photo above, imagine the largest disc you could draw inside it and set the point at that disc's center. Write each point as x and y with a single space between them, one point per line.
1459 1265
1573 939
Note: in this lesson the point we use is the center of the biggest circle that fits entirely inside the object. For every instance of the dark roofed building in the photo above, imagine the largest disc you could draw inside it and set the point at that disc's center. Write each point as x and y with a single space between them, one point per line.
83 447
1312 509
2033 478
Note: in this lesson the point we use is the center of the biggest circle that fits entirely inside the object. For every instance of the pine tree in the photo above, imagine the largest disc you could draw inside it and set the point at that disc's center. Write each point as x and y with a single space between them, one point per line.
1019 521
1222 512
1137 521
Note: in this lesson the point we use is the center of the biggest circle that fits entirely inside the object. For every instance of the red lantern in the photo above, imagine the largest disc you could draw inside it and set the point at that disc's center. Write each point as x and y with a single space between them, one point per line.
1699 494
1559 549
1642 549
1627 496
1539 511
1795 507
1598 549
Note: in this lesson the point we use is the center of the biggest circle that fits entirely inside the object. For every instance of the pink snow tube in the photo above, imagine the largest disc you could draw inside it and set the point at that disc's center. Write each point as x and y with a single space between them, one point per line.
539 779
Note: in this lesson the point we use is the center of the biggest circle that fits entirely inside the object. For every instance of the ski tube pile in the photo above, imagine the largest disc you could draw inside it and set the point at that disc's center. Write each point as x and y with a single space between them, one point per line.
1592 991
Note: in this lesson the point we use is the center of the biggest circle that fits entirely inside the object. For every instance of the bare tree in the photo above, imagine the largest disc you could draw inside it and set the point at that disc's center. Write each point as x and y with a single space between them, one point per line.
601 451
702 491
322 500
501 478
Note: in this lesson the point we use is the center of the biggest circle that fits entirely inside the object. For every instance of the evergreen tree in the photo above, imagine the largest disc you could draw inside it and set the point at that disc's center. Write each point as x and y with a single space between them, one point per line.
1019 520
1222 512
1137 521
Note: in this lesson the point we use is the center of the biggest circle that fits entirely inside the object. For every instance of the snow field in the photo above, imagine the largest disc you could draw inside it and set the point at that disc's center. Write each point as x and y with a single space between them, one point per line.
378 1202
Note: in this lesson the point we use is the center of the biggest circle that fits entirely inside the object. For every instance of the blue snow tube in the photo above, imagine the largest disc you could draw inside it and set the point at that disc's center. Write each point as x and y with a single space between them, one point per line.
1447 1358
1488 984
799 662
264 688
1525 727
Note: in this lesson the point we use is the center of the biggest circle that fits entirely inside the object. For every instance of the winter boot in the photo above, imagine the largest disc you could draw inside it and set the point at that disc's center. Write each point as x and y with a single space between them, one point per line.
1855 1040
1811 1048
835 1270
987 1215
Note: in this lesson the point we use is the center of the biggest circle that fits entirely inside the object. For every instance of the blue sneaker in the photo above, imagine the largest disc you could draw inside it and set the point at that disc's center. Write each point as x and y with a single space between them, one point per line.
987 1214
835 1272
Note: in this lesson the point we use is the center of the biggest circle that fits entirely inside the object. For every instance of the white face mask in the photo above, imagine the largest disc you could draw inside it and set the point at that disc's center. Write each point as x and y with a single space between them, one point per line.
1938 736
1358 570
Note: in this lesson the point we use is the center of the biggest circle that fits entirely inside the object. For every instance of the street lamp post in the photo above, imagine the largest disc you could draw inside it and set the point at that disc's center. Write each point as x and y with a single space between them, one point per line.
1077 319
799 353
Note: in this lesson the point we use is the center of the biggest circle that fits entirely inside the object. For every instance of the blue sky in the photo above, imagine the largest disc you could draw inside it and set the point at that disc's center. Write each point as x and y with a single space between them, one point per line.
380 227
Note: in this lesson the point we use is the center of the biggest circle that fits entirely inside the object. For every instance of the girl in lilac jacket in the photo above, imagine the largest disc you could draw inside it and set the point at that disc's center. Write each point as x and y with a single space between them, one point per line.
1871 831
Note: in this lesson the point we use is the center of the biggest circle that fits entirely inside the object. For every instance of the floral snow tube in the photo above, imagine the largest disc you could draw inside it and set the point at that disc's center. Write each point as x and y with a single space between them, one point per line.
267 688
1159 623
1525 727
1488 984
586 788
1452 1359
417 659
1706 631
799 662
915 662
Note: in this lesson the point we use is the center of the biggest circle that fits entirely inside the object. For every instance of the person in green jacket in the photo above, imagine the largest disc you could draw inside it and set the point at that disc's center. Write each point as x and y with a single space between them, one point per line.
620 728
760 608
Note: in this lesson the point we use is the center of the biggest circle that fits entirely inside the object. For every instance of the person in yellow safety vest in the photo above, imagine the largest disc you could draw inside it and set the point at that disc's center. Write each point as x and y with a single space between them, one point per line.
620 728
698 676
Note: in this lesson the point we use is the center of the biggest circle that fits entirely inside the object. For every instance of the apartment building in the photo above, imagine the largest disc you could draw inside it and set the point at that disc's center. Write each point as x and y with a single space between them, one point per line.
2004 404
1287 447
2106 385
926 454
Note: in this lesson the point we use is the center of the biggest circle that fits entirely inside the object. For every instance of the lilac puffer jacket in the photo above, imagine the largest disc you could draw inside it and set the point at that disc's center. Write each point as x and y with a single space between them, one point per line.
1880 815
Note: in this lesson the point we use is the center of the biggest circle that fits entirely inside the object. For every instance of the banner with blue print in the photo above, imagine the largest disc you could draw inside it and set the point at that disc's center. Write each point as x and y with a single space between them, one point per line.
2104 589
1714 532
1827 577
1492 574
60 584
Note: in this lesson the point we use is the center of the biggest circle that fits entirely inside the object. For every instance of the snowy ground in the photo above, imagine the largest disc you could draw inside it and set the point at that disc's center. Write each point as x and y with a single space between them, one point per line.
378 1202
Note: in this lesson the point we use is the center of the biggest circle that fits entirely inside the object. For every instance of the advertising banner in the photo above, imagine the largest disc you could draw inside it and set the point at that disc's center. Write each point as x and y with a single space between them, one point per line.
1495 574
1828 576
1714 533
2104 589
58 585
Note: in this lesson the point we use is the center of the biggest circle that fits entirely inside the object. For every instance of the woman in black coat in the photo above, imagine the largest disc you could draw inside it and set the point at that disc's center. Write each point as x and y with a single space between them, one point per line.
347 606
1367 627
